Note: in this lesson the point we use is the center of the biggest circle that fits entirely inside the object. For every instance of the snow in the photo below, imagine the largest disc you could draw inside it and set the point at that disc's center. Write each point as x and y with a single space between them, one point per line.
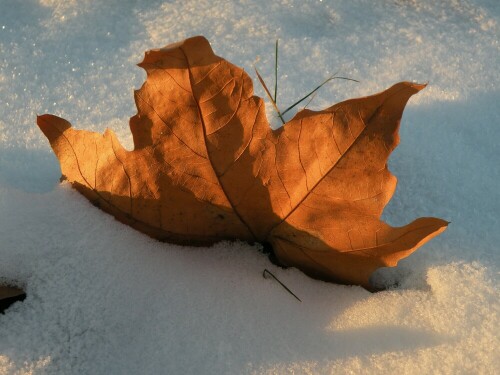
104 299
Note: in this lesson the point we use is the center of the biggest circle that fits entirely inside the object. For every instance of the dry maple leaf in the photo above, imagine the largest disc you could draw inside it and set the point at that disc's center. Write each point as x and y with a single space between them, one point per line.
207 167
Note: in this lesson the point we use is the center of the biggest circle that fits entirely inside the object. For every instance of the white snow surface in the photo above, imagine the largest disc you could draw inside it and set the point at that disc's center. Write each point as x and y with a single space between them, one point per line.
105 299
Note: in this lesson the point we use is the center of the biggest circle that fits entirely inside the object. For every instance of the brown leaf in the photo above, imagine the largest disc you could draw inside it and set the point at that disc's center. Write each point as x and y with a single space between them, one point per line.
207 167
9 295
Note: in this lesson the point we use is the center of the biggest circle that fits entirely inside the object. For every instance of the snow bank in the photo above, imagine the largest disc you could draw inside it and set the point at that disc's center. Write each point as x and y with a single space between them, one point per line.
103 298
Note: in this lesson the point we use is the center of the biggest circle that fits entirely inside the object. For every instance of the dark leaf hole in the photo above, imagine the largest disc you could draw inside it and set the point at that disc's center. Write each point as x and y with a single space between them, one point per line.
10 295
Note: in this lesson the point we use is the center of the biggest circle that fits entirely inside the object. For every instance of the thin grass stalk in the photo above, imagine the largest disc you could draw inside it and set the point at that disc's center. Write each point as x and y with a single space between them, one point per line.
276 74
269 95
316 89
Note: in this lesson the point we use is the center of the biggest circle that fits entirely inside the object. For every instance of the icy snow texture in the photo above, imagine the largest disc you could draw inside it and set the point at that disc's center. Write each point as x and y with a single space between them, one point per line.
104 299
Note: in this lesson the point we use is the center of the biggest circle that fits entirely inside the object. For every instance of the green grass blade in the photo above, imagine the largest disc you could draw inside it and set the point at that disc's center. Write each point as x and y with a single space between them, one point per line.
276 74
269 95
316 89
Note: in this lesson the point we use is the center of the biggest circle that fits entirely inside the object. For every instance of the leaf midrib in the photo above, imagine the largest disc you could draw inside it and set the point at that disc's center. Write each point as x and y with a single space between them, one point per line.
367 124
233 206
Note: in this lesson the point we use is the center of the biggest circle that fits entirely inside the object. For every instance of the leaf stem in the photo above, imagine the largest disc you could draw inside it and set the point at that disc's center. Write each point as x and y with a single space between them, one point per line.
283 285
